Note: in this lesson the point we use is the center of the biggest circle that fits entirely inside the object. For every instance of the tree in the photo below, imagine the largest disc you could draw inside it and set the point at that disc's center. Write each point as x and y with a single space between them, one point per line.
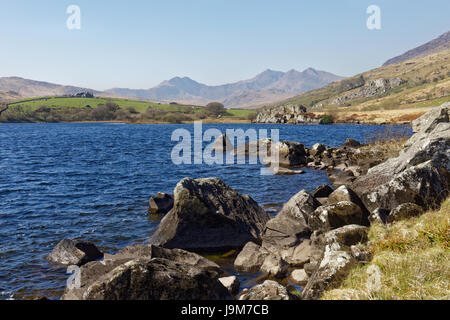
216 109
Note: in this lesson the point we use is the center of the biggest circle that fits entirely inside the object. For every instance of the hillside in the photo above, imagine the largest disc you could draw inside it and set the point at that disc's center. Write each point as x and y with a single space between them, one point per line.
439 44
74 109
409 85
24 88
268 86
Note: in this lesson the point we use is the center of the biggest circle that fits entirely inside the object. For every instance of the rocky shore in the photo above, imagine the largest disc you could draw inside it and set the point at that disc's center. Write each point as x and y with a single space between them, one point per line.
313 240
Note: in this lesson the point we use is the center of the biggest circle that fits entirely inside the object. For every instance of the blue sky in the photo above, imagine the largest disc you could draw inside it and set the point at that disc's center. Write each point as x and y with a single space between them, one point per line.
138 44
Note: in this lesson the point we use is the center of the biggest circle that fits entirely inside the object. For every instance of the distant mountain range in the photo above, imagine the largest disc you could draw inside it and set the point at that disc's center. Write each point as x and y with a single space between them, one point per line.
439 44
266 87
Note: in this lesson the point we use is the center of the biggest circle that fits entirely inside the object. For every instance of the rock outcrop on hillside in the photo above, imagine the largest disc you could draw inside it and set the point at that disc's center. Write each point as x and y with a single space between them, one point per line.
370 89
287 114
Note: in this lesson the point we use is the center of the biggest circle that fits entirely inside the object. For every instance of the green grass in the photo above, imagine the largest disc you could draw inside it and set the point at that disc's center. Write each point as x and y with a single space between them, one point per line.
413 258
140 106
28 109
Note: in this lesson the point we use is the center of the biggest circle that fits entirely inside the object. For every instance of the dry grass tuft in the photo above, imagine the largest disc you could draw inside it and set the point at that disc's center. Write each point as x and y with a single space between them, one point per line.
413 259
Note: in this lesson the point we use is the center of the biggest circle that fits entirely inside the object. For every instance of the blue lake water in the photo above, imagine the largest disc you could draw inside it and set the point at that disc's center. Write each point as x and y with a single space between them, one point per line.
93 181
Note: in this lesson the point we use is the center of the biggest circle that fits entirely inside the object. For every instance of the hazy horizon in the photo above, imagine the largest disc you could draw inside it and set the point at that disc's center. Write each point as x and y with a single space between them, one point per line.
212 42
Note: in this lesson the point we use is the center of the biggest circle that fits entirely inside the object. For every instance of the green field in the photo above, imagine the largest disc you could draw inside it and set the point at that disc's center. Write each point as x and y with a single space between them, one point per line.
69 109
70 102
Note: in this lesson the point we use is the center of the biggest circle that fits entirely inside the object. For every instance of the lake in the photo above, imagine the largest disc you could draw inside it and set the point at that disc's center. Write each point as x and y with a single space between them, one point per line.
93 181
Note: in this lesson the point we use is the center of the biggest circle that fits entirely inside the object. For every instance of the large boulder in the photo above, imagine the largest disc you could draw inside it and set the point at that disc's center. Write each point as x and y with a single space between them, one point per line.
70 252
157 279
290 226
336 215
269 290
428 122
148 272
251 258
161 203
420 174
208 215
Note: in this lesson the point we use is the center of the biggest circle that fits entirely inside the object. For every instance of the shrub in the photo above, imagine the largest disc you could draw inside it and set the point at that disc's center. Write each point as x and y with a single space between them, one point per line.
327 119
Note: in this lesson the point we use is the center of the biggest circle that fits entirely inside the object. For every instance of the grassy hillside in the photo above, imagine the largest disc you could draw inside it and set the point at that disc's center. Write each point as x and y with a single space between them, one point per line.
67 109
426 83
413 259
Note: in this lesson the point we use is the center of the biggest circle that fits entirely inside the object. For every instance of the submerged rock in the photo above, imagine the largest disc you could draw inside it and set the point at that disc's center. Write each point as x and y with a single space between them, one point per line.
223 144
74 252
210 216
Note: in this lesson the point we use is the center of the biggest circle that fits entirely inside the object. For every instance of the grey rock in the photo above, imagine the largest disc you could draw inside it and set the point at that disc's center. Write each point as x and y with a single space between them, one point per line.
275 266
223 144
269 290
404 211
123 276
337 260
251 258
344 193
232 284
420 174
299 277
210 216
361 255
290 226
157 279
74 252
336 215
378 216
161 203
317 149
322 191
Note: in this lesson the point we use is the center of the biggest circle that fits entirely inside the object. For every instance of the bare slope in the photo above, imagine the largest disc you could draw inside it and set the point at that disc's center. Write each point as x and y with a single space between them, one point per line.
439 44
